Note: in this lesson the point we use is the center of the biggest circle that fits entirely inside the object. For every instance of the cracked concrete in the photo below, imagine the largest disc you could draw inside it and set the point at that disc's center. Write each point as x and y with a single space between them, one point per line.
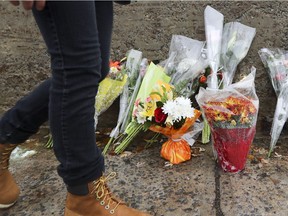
197 187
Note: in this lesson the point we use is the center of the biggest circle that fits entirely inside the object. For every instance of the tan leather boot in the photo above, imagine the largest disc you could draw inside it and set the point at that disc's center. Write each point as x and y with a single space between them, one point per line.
99 201
9 191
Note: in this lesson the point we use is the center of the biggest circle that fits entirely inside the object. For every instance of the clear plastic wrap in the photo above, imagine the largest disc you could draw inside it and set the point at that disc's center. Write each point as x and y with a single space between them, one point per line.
185 63
133 72
232 116
276 63
213 31
236 41
280 116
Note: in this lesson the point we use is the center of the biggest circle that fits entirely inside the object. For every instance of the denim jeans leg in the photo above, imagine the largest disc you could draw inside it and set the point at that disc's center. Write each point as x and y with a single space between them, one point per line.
79 60
25 118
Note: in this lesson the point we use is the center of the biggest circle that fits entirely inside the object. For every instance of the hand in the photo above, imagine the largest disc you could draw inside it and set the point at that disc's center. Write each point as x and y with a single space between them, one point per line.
28 4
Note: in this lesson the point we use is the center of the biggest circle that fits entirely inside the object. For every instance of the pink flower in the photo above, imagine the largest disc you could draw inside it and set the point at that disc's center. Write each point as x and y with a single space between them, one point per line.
137 102
148 99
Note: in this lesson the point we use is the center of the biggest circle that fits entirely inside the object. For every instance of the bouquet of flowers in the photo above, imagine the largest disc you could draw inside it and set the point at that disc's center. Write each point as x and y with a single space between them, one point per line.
231 114
135 70
188 66
110 88
276 63
153 74
172 116
226 47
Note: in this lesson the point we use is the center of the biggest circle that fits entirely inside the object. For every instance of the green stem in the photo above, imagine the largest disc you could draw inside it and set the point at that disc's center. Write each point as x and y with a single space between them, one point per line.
130 136
270 152
49 143
152 140
108 145
206 133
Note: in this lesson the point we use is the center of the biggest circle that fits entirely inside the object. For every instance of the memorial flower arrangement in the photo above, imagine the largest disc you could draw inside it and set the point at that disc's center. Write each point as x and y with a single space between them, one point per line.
135 70
191 65
164 112
111 87
163 108
231 114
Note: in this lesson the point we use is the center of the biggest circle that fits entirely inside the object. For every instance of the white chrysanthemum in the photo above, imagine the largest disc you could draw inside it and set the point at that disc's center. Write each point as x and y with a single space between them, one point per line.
178 109
186 109
168 106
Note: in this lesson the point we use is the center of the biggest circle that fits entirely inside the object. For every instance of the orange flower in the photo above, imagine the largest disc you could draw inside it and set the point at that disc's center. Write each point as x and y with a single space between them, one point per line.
115 64
230 109
162 88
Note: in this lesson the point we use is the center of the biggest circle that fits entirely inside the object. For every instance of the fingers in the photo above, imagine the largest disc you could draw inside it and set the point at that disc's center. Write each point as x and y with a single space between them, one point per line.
40 4
28 4
15 3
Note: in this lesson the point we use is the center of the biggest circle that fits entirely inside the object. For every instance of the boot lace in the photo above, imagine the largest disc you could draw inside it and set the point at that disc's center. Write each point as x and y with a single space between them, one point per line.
5 155
103 194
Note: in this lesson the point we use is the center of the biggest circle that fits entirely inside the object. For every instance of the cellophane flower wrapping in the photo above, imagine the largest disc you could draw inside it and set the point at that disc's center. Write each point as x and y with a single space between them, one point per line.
276 63
154 74
232 115
135 78
132 69
110 88
188 66
176 149
236 42
280 117
185 63
214 21
163 112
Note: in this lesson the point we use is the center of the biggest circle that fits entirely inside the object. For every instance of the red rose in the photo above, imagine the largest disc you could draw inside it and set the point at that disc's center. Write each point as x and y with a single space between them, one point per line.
160 117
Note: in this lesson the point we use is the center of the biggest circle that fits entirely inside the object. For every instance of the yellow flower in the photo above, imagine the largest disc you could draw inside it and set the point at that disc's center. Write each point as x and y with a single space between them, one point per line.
149 108
162 84
160 88
233 122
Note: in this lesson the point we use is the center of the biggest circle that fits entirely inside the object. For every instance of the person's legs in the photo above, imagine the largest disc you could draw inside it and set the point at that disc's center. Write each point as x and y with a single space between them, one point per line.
17 125
71 35
25 118
77 35
70 32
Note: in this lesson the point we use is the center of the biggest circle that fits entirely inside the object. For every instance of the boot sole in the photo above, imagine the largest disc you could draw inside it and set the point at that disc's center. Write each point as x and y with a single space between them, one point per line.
3 206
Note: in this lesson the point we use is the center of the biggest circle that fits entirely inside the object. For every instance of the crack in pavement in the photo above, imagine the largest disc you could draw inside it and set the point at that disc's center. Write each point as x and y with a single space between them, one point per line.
217 202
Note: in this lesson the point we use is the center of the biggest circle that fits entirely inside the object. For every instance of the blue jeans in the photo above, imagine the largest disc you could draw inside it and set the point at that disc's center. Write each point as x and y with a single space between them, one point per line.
78 37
